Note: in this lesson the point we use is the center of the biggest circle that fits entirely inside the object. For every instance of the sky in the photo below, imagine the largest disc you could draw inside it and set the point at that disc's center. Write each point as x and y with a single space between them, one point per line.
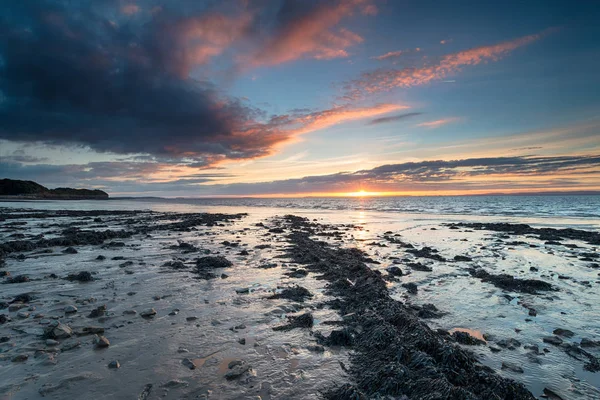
195 98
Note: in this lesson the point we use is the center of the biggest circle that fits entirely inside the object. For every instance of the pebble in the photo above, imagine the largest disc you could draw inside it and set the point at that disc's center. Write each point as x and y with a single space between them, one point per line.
129 312
56 330
70 309
182 350
188 363
16 307
149 313
51 342
20 358
114 364
102 342
23 314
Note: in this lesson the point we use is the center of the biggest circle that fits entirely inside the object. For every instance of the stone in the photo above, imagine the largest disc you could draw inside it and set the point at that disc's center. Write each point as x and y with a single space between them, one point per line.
51 342
242 341
58 331
148 313
175 383
188 363
563 332
115 364
20 358
23 314
555 340
102 342
70 309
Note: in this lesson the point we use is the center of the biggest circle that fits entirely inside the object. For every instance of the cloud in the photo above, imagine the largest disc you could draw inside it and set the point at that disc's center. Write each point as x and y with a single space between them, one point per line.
125 88
309 31
393 118
387 79
395 54
508 173
438 123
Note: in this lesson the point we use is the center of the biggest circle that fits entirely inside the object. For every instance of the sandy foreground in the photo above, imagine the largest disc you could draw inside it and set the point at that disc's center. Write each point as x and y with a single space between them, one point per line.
148 305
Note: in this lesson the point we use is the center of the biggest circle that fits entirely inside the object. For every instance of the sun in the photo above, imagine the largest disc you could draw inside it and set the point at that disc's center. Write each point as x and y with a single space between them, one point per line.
360 193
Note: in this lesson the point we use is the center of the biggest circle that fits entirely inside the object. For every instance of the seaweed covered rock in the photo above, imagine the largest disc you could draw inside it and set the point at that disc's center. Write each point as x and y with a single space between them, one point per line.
294 293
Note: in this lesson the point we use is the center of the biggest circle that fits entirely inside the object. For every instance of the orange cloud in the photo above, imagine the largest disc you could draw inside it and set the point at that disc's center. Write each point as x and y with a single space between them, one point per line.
438 123
390 54
382 80
195 40
312 34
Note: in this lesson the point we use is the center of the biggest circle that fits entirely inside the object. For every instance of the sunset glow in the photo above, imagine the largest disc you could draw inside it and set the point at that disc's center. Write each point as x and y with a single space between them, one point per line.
285 98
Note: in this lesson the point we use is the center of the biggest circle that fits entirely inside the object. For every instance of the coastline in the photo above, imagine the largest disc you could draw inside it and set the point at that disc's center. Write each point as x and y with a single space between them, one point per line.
151 262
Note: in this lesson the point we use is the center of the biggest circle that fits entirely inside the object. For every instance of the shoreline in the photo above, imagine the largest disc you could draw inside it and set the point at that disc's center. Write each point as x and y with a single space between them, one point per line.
268 313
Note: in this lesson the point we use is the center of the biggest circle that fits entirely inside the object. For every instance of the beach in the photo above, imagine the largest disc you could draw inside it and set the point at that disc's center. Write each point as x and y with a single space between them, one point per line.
174 300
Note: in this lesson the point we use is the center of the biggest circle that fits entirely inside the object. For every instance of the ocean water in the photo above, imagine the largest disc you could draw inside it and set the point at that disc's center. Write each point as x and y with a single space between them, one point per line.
581 211
585 206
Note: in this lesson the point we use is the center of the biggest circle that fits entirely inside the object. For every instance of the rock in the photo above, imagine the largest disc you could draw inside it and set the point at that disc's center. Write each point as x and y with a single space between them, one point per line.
316 348
242 290
101 258
16 307
563 332
102 342
17 279
294 293
237 368
191 318
70 309
70 250
466 339
174 312
148 313
58 331
115 364
182 350
551 395
211 262
410 287
462 258
555 340
51 342
129 312
188 363
83 276
92 330
532 312
4 339
394 271
98 312
242 341
510 344
589 343
20 358
512 367
23 314
302 321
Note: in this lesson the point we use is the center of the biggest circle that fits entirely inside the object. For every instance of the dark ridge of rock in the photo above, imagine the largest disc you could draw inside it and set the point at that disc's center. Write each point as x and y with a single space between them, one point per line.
83 276
33 190
294 293
342 337
301 321
395 353
547 234
508 282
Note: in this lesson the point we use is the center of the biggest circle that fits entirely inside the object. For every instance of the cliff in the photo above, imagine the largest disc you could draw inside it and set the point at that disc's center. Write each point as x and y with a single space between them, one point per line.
33 190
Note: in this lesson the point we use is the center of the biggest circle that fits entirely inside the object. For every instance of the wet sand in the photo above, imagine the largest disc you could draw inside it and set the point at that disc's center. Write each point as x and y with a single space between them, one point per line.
228 306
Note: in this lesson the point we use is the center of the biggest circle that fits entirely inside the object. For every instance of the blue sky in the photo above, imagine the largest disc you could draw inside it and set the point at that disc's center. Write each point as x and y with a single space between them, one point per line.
301 97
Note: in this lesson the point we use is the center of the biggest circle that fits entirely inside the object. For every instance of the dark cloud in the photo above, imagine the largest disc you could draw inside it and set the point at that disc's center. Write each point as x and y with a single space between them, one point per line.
75 74
393 118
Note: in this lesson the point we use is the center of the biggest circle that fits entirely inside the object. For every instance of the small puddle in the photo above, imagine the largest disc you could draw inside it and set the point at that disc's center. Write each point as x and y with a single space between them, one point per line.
475 333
